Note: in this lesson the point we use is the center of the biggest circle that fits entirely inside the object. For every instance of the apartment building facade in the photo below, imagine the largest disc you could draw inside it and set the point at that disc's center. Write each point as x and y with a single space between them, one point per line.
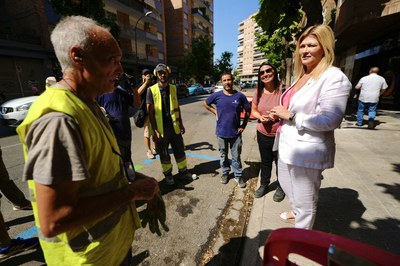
142 39
26 53
186 20
27 56
249 55
368 35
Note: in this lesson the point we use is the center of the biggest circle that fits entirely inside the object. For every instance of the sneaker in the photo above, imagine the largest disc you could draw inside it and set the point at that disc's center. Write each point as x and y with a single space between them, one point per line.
186 176
150 155
153 151
224 179
169 179
18 245
241 182
20 208
279 194
261 191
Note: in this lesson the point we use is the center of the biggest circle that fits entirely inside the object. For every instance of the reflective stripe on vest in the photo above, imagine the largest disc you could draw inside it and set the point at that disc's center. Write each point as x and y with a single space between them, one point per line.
97 231
114 231
174 108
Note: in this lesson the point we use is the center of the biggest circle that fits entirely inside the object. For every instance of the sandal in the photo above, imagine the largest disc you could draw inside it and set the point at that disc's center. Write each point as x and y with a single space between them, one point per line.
150 155
287 217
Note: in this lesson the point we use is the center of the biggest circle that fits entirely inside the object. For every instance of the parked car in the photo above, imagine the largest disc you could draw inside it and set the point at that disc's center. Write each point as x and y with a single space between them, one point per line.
208 90
196 89
182 90
13 112
249 95
218 86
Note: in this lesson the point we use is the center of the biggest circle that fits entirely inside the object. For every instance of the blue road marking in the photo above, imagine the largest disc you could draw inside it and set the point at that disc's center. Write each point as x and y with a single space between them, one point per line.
31 232
206 157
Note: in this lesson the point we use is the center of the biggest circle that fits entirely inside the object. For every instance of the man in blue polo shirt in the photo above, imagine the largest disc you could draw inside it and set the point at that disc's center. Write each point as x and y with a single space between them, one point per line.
117 104
229 103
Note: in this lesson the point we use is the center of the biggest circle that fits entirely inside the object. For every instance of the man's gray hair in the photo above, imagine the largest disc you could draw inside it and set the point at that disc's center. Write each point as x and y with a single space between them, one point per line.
69 32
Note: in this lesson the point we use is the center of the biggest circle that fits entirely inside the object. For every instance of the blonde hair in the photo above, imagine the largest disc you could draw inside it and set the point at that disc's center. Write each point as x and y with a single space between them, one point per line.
326 39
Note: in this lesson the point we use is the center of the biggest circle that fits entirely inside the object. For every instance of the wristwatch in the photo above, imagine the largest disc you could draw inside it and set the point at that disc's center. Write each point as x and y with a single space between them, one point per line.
292 115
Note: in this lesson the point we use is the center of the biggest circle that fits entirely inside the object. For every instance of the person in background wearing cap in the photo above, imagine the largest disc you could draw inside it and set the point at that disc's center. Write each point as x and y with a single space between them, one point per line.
142 91
166 122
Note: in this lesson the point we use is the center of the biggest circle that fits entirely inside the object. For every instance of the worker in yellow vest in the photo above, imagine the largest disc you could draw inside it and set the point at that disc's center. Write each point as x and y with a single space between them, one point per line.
166 123
82 201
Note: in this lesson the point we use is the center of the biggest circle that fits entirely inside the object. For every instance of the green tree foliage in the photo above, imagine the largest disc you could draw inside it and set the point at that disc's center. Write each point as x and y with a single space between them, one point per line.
88 8
198 63
276 14
223 65
184 67
279 21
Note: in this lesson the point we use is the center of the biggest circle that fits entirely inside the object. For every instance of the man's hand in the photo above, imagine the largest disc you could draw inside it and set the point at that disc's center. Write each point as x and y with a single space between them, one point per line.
155 213
144 188
157 136
147 80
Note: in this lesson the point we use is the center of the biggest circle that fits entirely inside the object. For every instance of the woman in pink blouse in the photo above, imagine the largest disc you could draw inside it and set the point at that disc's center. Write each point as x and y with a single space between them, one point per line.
264 99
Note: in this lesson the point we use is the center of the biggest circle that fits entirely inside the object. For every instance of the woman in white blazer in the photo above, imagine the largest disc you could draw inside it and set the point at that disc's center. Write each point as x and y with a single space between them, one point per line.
311 109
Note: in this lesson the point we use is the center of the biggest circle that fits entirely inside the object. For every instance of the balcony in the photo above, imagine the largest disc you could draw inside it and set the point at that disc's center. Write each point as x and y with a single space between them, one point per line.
19 37
200 28
202 3
132 4
360 22
198 12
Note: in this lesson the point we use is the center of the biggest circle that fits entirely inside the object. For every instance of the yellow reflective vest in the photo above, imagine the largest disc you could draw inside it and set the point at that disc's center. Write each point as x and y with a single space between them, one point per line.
105 241
174 108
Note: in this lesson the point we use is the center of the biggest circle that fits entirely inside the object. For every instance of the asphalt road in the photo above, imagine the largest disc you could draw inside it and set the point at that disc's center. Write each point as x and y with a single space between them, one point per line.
201 214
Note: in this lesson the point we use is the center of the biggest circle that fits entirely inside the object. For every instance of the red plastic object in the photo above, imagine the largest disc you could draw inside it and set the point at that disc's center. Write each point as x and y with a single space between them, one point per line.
314 245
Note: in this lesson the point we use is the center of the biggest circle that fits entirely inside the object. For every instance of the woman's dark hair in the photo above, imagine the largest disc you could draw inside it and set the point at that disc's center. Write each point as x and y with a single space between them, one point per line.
260 84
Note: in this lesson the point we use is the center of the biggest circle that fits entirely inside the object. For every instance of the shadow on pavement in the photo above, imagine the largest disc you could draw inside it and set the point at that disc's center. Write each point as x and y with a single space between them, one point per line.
209 167
6 131
252 170
230 253
26 257
200 146
20 220
340 212
139 258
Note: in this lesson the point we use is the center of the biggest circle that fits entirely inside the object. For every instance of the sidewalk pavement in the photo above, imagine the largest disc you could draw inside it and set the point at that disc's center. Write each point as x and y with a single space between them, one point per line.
359 197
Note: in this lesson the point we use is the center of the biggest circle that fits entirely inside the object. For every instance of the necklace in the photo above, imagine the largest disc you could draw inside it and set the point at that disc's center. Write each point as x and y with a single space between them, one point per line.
69 85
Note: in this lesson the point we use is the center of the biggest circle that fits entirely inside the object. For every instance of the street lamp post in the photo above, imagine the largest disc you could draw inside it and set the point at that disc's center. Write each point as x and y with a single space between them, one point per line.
136 53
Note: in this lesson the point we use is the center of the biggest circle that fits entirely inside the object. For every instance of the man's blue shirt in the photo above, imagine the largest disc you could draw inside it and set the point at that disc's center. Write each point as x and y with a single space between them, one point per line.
228 112
117 105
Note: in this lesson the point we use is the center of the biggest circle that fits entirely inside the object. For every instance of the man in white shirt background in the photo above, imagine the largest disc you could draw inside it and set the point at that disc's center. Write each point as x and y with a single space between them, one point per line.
371 86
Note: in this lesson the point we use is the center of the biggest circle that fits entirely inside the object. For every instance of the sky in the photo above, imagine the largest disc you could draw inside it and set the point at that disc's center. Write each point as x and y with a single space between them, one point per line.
227 16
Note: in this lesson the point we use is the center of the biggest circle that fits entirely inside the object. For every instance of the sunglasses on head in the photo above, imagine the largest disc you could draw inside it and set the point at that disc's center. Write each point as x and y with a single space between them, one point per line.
268 71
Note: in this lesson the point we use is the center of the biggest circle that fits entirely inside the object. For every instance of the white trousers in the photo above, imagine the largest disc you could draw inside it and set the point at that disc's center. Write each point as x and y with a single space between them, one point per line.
301 185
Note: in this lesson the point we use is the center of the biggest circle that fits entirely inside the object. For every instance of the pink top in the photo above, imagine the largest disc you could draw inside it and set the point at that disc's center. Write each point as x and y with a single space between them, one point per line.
268 100
286 98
